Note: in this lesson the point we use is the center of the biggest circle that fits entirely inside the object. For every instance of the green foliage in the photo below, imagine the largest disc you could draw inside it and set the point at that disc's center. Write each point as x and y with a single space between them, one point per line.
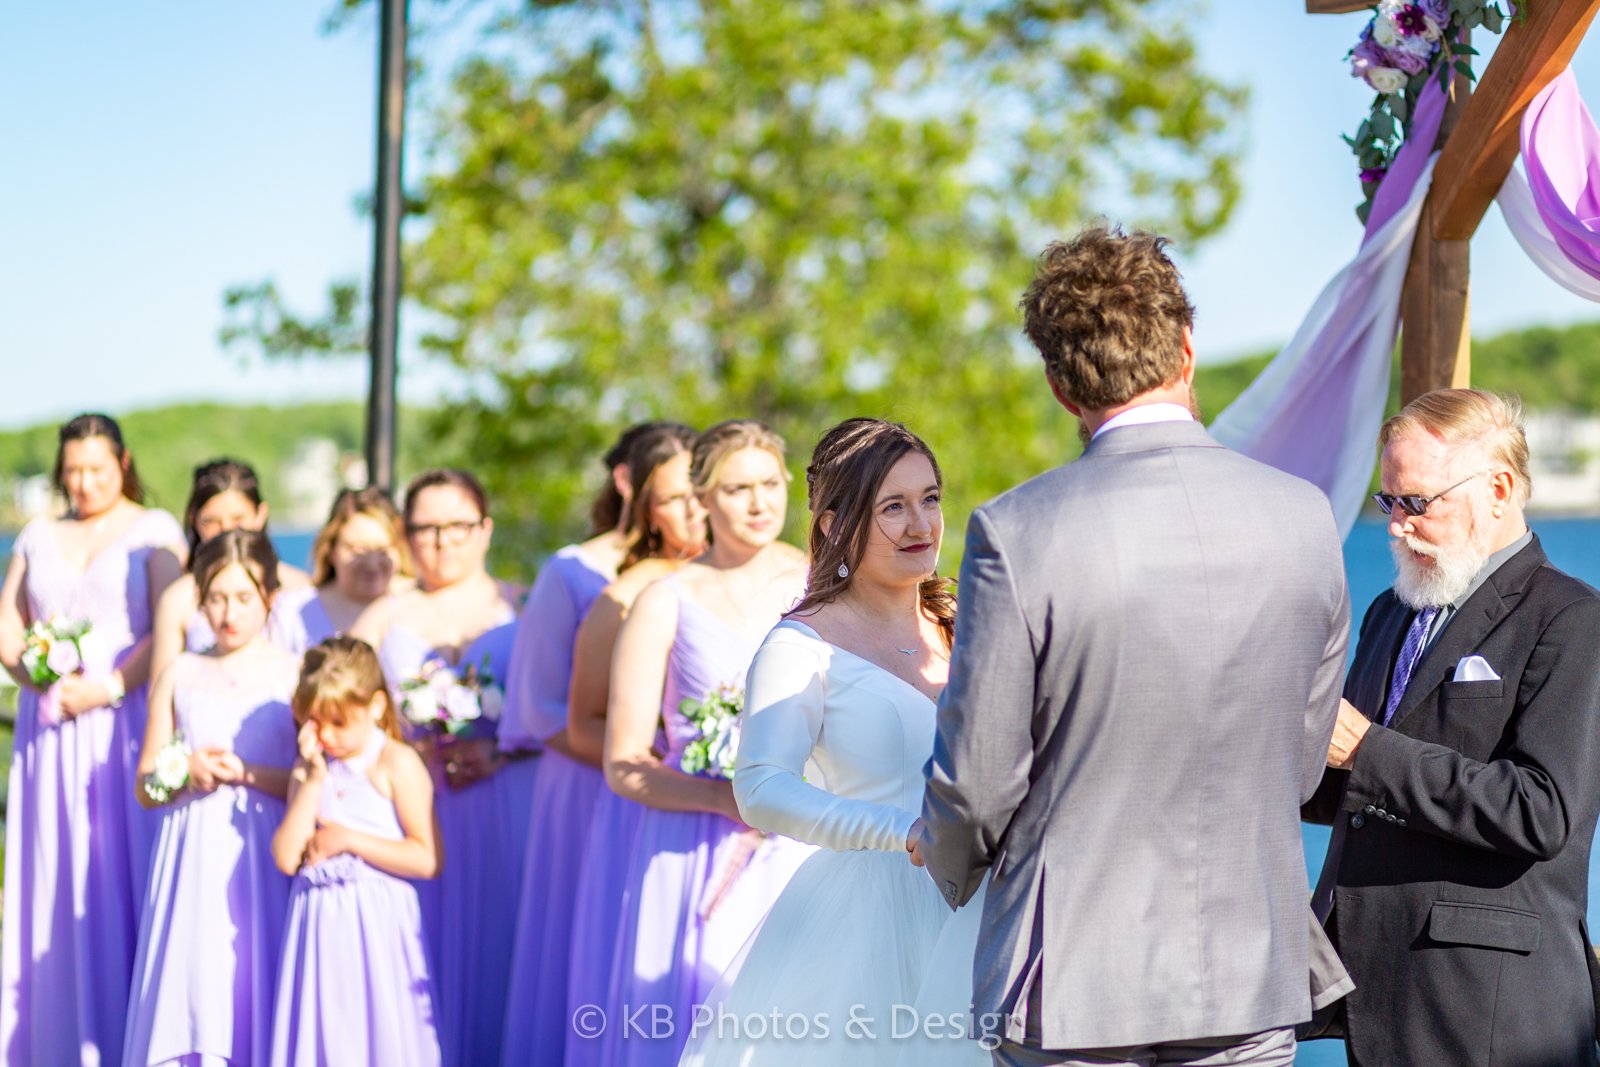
798 210
167 443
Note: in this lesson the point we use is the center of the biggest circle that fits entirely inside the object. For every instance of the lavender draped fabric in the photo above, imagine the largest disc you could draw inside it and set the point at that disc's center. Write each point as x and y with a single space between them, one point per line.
1552 211
1315 410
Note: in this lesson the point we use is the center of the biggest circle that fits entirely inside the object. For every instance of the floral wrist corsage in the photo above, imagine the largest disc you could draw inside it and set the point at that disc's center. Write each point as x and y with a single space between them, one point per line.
171 773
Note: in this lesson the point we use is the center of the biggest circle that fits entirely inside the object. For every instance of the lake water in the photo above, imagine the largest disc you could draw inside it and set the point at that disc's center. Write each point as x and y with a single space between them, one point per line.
1573 544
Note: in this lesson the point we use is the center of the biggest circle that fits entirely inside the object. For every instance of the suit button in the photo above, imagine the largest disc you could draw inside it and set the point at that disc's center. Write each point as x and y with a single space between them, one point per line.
1370 809
1380 813
1358 820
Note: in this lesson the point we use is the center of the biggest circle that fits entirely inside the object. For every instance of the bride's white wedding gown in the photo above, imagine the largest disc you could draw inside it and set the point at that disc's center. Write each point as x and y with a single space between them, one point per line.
860 961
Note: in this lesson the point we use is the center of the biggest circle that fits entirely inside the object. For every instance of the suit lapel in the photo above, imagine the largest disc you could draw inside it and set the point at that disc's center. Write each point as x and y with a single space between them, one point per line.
1475 621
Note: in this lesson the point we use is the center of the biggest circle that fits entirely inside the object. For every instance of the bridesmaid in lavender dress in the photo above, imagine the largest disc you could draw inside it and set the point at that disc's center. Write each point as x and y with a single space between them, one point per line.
224 494
360 556
669 526
354 985
208 943
699 879
74 869
461 617
565 789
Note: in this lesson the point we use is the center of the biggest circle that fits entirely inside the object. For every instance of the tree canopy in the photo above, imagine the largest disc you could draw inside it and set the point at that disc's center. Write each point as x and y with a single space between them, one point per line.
797 210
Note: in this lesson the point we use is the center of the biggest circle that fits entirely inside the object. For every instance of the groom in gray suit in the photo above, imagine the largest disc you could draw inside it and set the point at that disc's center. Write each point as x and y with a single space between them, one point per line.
1149 650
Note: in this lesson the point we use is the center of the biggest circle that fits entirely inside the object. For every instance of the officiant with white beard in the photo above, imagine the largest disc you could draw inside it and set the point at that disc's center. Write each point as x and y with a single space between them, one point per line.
1464 773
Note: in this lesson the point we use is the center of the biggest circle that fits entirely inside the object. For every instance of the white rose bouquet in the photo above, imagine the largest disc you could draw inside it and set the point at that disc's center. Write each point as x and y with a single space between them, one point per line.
53 649
711 755
172 770
449 700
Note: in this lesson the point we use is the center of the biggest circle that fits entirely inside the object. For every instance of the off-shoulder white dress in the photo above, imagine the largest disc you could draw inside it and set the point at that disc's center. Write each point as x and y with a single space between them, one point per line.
850 956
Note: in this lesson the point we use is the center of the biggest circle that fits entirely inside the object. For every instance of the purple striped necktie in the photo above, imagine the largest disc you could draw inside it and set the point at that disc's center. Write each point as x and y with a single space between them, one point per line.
1406 662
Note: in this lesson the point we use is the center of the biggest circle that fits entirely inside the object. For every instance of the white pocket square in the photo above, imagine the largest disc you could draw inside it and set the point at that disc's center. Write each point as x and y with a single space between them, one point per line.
1475 669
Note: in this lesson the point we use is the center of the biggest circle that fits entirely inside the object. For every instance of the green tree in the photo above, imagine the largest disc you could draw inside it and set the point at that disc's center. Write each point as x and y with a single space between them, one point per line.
797 210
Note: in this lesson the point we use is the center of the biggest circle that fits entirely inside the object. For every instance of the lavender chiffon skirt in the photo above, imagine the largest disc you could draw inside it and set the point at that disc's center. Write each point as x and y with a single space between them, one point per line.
602 899
353 981
469 911
701 884
536 1021
72 888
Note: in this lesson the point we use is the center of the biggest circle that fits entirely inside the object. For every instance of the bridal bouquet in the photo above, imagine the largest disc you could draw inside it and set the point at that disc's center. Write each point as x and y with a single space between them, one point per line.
449 700
53 649
172 770
716 717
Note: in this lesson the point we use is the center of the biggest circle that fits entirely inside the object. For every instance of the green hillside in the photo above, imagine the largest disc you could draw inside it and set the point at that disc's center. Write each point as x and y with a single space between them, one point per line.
168 442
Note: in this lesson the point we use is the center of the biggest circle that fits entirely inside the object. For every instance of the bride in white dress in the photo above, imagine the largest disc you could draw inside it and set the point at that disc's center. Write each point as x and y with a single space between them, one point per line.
859 961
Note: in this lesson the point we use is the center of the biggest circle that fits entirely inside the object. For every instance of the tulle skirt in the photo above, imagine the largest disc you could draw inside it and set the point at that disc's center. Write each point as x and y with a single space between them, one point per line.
859 963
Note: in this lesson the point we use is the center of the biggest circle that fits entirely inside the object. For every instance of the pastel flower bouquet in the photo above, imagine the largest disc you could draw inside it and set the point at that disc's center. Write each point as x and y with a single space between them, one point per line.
52 649
716 717
448 700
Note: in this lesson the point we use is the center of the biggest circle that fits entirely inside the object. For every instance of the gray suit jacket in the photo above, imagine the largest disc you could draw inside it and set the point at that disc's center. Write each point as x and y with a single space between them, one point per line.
1148 658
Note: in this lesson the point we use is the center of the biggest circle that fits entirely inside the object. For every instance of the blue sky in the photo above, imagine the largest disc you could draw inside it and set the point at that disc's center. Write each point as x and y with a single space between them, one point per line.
155 153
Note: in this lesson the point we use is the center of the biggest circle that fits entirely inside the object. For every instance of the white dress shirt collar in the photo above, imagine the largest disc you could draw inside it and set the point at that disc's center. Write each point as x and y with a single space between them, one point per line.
1144 415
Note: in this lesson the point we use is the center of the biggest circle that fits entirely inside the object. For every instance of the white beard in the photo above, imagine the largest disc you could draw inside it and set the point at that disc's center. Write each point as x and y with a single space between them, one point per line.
1419 586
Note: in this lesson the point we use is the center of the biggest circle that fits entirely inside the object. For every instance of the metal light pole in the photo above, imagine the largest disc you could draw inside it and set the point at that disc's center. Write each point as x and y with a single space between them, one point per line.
389 207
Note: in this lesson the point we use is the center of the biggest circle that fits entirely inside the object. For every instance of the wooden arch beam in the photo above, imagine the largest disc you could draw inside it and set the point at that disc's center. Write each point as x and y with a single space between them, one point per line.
1475 161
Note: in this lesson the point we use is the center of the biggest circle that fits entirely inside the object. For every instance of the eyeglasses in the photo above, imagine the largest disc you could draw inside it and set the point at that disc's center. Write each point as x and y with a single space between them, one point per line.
444 533
1412 504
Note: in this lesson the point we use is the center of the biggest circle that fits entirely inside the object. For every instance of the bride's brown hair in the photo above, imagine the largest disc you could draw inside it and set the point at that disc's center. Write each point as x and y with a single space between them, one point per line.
847 468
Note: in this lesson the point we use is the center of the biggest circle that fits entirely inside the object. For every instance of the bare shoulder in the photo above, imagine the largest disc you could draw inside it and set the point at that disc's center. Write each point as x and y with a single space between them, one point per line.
634 580
402 766
657 602
178 599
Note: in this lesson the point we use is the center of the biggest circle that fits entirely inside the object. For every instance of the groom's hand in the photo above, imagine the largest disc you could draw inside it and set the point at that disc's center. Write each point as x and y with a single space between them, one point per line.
914 844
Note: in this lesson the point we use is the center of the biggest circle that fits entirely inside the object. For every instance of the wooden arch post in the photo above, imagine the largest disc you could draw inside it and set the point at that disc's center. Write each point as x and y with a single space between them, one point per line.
1479 141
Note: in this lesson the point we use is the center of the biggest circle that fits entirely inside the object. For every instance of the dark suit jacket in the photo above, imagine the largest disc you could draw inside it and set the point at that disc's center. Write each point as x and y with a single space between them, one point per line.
1463 880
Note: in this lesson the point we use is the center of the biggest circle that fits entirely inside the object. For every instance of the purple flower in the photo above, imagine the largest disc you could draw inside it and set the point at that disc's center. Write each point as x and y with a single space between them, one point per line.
1437 10
1411 19
1373 175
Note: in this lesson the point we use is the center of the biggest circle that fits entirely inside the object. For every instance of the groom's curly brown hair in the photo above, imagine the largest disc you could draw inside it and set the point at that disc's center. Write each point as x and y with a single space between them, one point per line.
1107 312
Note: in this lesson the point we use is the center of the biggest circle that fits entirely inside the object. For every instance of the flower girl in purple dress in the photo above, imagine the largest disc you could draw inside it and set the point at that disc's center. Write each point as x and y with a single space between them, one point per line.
216 757
353 980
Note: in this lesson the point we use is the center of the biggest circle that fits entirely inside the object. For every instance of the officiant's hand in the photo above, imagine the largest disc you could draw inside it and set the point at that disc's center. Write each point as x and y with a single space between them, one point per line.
914 844
1348 731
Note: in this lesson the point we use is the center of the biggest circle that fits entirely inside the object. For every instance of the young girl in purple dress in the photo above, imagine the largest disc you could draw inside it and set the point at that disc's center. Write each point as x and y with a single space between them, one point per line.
353 980
213 919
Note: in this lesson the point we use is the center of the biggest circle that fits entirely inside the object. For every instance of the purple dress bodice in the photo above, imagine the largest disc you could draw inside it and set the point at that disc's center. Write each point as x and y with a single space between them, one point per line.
350 799
299 620
541 662
112 593
403 654
251 719
706 654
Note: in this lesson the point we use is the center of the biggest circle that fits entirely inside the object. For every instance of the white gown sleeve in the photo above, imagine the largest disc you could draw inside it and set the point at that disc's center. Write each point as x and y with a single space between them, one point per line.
785 698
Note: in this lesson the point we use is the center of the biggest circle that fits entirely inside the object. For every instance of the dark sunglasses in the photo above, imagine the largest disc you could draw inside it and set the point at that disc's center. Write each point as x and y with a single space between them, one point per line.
1412 504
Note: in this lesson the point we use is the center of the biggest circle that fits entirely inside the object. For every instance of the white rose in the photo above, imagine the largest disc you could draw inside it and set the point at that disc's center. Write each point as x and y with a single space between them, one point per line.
1384 31
493 701
1386 79
172 767
421 706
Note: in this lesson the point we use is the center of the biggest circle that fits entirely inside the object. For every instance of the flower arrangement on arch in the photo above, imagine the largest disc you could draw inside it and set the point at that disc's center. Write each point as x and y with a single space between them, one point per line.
1404 44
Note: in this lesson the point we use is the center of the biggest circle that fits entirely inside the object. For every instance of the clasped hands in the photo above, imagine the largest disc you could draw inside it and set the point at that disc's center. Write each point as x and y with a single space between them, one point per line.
211 767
